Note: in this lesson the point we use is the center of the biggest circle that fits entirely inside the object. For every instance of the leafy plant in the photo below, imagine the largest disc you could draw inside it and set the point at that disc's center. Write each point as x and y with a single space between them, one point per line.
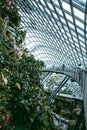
9 10
23 102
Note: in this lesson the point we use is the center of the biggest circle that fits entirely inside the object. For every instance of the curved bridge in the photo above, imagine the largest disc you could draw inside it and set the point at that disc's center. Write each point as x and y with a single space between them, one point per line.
73 74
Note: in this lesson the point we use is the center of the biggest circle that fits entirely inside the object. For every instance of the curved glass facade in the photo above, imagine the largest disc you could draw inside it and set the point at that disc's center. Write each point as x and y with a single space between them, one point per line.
56 31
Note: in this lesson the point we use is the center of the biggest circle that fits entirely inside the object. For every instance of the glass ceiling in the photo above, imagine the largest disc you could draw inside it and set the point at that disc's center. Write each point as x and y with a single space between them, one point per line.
56 31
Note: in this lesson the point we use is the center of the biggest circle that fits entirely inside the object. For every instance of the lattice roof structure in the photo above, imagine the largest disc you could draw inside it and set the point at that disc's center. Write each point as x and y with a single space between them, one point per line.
56 31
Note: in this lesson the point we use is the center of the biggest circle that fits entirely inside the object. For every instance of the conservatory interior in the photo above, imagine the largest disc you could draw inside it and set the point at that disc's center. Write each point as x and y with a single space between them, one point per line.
43 64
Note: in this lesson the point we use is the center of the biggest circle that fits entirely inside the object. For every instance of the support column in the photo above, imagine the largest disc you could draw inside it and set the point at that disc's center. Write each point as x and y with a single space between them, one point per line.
84 91
85 98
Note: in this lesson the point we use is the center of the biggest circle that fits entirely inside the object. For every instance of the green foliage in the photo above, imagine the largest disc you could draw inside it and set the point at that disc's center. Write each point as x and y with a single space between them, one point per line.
23 102
9 10
10 41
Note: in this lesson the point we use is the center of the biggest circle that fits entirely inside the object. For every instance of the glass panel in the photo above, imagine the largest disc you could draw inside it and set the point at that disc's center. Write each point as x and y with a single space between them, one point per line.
55 15
41 7
83 49
56 26
42 1
60 12
66 6
68 34
34 3
48 11
50 6
81 38
63 20
56 2
71 25
62 31
80 31
78 13
65 36
69 17
77 44
53 20
75 39
73 33
82 44
79 23
71 40
81 3
66 28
